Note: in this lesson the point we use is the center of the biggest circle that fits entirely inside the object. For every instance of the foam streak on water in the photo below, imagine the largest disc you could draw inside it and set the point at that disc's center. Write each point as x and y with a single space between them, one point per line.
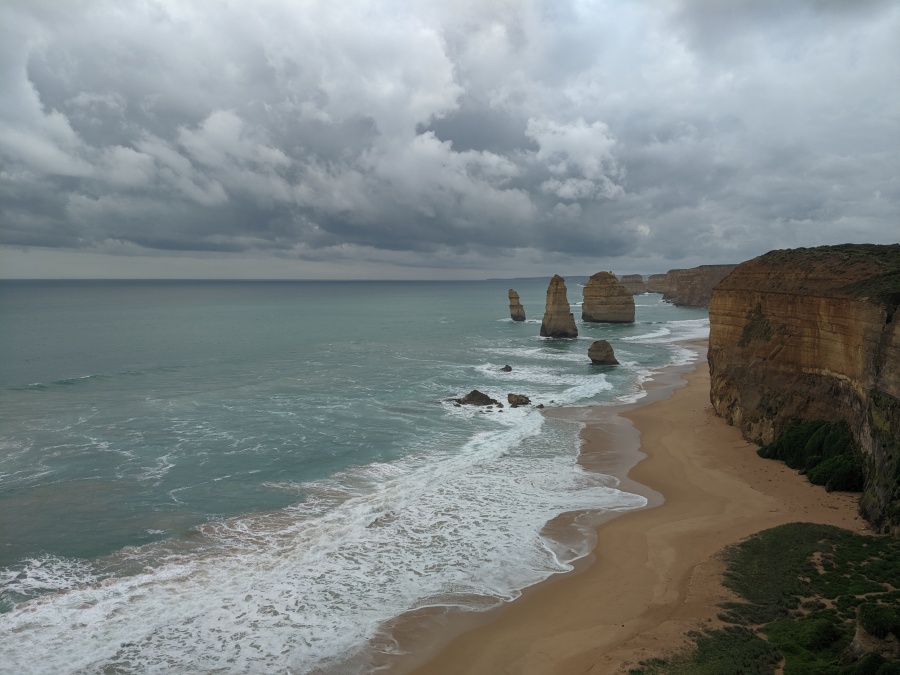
298 587
234 489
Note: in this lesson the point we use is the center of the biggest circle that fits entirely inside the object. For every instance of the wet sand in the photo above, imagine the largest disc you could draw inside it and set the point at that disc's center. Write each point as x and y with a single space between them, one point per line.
655 573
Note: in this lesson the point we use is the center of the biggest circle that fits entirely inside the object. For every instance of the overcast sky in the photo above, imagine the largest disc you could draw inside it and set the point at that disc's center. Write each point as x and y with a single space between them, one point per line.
445 139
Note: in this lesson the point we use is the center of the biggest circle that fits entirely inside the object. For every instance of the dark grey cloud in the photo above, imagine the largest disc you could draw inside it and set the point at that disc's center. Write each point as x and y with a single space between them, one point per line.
471 135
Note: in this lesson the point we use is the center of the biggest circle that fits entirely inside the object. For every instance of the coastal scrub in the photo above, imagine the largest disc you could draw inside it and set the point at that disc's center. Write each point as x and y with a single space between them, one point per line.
808 593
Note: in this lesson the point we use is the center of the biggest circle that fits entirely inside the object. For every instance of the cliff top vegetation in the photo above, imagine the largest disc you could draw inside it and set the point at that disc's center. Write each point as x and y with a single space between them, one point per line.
860 270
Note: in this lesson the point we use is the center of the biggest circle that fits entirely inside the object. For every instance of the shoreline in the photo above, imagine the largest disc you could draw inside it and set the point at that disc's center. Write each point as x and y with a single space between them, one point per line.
654 573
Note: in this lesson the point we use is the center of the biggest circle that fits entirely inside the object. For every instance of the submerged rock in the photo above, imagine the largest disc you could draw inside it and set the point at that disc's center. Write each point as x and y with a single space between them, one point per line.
601 354
558 321
516 311
606 299
507 368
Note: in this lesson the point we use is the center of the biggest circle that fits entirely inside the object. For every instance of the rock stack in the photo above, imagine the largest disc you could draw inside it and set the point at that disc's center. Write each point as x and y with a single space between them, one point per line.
634 284
558 320
516 311
601 354
605 299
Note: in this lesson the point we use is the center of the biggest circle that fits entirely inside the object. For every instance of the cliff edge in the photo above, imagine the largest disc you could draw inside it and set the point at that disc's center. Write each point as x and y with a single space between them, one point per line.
806 334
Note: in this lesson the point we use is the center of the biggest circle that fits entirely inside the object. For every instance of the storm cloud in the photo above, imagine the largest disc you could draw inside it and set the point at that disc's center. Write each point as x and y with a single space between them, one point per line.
479 136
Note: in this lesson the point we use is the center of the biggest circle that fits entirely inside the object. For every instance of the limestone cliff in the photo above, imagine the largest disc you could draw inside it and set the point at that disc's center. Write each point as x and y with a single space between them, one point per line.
634 284
693 287
808 334
516 311
656 283
558 320
605 299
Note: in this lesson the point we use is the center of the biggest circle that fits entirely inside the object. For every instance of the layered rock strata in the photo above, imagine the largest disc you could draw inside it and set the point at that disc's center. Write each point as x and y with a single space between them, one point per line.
634 284
558 321
693 287
601 354
809 334
516 311
606 299
656 283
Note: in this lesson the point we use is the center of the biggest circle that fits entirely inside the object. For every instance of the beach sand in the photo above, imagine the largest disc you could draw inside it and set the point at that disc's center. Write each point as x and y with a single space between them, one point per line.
656 572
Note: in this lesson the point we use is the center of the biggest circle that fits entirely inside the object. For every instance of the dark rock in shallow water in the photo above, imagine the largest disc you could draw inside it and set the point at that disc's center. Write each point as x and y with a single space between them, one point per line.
506 369
516 400
601 354
476 397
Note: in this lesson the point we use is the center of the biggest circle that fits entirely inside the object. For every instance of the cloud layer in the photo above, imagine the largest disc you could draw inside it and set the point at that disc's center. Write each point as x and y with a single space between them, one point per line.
471 135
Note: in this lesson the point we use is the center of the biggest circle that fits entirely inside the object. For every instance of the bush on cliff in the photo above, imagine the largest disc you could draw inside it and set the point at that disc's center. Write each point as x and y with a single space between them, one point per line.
879 620
825 451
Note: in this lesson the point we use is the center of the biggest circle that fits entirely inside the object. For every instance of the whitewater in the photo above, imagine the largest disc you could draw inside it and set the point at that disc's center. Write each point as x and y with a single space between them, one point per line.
240 477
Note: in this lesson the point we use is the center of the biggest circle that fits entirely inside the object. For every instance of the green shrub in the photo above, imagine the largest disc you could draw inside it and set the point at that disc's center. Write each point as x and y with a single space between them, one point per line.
878 620
870 664
817 634
839 441
826 451
844 472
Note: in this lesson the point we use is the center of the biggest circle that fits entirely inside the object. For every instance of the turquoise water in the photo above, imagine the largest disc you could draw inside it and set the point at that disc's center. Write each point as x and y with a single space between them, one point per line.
257 476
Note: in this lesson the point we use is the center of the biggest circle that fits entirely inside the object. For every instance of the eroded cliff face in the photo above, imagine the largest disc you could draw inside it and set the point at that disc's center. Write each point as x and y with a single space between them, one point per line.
693 287
808 334
656 283
634 283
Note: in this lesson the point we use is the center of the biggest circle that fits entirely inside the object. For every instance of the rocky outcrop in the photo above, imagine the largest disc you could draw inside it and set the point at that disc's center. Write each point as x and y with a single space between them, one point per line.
656 283
634 284
558 320
476 397
515 400
693 287
516 311
606 299
810 334
601 354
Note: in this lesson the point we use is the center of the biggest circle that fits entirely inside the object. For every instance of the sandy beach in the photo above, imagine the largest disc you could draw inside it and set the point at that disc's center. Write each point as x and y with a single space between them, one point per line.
655 572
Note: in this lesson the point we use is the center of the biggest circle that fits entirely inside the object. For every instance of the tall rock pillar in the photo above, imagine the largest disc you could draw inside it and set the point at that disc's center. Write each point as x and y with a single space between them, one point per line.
558 320
516 311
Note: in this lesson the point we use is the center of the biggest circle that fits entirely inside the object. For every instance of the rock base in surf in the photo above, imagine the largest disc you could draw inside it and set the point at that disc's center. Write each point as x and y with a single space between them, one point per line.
601 354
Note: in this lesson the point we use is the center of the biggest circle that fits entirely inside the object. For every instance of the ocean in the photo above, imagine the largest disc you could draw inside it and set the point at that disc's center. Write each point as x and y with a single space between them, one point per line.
248 477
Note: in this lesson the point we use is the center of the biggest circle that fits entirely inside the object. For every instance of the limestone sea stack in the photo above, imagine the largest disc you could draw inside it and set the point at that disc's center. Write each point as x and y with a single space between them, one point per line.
558 320
634 284
601 354
605 299
516 311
